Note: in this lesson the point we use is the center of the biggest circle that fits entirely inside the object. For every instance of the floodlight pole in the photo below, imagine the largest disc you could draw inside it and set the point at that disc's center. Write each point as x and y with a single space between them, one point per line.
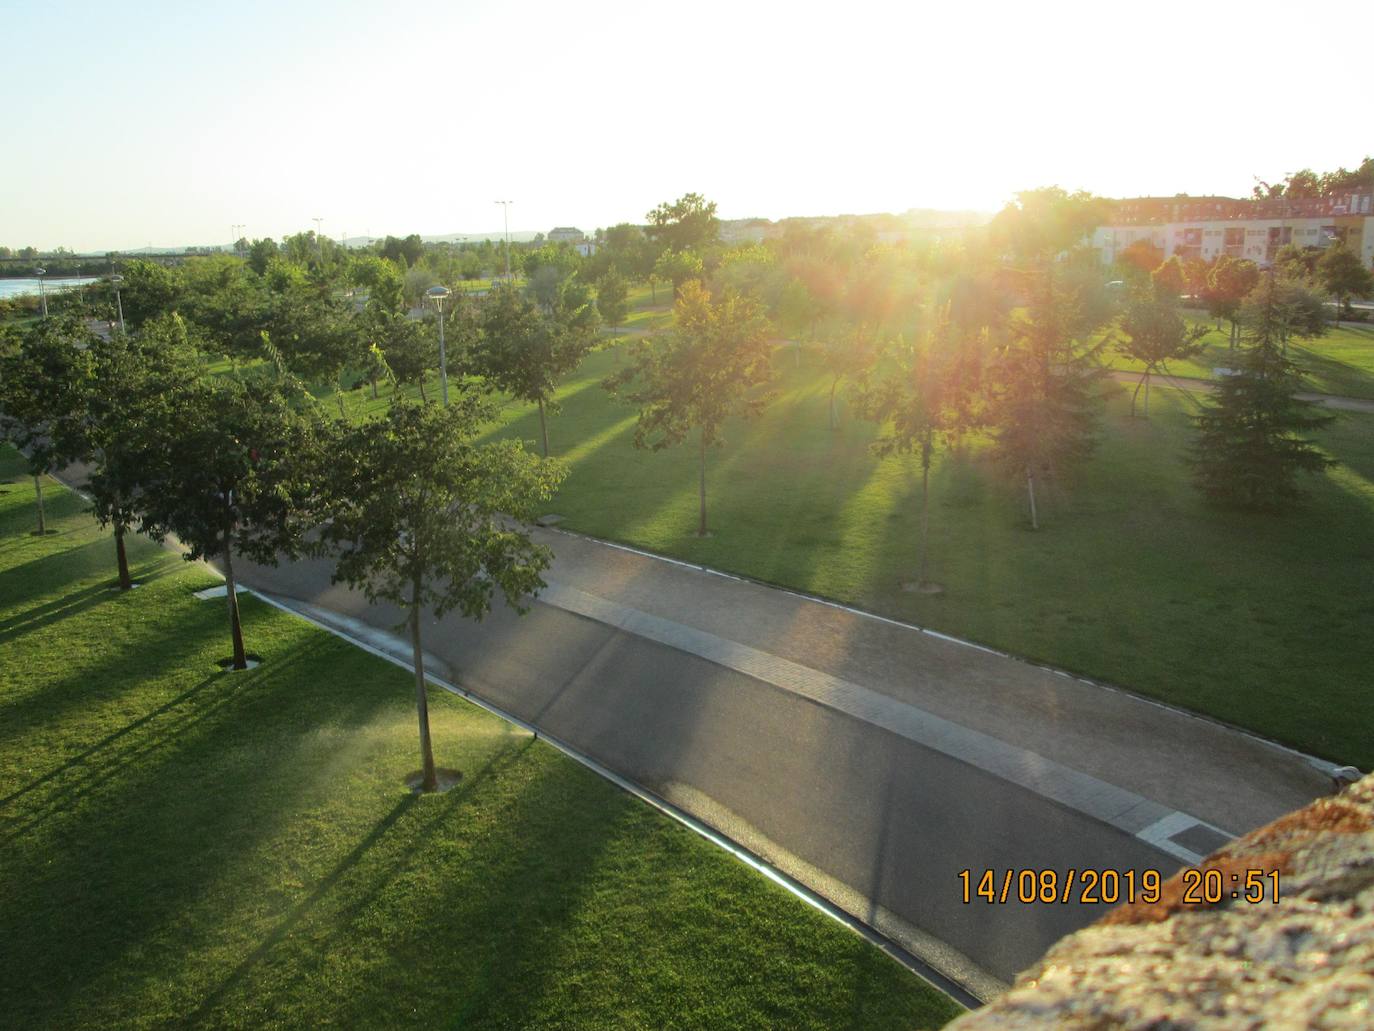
505 209
437 295
116 280
42 292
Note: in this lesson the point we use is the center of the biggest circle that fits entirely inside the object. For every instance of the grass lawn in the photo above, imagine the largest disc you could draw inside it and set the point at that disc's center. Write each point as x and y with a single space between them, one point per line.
1342 362
1259 620
182 847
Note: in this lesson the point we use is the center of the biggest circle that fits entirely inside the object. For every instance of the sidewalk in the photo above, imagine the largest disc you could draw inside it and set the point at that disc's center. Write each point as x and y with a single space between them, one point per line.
1225 777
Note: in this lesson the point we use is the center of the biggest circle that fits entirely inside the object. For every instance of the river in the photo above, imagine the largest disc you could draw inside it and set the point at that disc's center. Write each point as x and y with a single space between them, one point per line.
19 287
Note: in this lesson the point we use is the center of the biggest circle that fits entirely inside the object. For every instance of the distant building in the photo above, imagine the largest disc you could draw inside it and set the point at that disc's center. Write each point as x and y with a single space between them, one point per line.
1208 227
566 234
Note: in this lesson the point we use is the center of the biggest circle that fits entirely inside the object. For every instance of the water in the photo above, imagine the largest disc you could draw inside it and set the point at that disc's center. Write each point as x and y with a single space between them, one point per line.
19 287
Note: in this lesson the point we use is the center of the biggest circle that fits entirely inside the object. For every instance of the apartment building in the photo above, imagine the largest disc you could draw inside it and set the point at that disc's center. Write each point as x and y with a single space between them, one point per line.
1208 227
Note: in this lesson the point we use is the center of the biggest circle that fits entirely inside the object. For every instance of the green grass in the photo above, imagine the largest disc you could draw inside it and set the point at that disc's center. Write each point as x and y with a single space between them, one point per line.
1258 620
181 847
1342 362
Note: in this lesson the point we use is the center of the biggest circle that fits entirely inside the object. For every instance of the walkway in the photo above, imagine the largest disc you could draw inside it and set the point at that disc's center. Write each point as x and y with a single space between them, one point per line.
870 760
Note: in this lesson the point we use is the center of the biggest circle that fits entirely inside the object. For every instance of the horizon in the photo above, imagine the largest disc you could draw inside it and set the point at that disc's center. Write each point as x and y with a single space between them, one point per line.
380 122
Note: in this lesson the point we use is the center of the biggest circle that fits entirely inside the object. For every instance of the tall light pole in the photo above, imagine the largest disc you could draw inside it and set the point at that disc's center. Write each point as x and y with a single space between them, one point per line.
319 248
505 208
437 295
119 305
42 293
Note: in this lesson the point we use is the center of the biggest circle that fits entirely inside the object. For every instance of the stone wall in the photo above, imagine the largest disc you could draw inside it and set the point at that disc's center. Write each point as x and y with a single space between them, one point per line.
1307 961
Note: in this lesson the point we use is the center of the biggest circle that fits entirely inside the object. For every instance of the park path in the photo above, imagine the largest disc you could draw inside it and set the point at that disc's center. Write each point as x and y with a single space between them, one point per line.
870 760
1204 386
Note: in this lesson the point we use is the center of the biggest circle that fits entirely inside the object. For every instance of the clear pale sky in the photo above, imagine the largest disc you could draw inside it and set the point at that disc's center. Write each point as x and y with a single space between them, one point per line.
164 123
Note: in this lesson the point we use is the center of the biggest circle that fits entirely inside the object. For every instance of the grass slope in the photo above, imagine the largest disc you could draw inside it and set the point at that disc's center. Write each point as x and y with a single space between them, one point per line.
181 847
1258 620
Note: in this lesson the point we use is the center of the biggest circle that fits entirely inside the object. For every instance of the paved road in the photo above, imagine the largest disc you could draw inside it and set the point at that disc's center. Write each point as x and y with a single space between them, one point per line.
1203 386
870 760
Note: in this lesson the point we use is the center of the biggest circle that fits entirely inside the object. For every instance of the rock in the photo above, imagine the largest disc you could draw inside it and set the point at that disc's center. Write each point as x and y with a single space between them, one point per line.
1305 961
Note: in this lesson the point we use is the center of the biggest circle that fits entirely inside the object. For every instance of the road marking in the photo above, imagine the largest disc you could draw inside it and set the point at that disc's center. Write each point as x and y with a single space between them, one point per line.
1123 809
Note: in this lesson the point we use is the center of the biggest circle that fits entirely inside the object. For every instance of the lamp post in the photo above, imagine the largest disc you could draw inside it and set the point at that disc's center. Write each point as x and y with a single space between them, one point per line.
437 295
119 305
505 208
42 293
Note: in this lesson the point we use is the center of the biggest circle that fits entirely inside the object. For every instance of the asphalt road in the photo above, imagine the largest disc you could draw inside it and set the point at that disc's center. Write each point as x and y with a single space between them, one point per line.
874 821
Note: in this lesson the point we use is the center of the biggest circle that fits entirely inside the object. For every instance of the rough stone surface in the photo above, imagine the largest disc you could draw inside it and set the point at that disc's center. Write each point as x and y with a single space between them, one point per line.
1307 961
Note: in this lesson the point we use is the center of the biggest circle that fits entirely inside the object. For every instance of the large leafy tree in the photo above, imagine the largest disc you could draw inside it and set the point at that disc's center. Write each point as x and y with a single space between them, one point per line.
678 267
1251 444
712 365
1043 403
226 465
686 224
525 351
611 294
1344 276
1228 283
422 516
408 347
909 391
44 389
1154 334
149 290
130 374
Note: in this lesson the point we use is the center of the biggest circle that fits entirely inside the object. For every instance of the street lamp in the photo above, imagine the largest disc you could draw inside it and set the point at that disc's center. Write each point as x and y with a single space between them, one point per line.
505 208
42 294
437 295
115 281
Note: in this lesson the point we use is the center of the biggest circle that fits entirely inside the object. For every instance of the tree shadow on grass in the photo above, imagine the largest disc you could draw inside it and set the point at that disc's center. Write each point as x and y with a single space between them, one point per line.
141 836
40 616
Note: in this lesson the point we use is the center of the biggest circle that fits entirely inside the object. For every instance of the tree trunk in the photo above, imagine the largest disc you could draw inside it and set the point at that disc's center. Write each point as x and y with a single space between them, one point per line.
422 390
1030 492
701 492
430 781
125 583
1147 395
374 388
1138 384
38 492
338 396
653 291
543 428
232 594
833 384
925 511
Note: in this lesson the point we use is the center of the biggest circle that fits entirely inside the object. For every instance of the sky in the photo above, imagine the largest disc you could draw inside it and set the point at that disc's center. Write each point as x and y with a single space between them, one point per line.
142 123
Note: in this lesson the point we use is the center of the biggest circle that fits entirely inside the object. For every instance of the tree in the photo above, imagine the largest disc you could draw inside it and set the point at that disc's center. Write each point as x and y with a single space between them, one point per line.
1155 333
1043 404
1230 280
686 224
610 298
907 393
525 352
44 388
1249 446
709 367
149 290
1142 256
411 351
677 267
260 252
846 355
225 465
129 374
1169 279
421 516
1344 276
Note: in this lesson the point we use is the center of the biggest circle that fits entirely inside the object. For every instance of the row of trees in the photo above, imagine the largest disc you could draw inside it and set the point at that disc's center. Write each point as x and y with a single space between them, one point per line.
413 508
